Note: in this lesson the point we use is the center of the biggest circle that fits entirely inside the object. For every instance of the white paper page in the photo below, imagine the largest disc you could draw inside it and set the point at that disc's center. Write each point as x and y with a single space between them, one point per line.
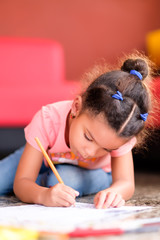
61 219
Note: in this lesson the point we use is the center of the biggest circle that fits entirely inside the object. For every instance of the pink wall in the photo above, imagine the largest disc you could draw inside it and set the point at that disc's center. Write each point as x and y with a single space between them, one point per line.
88 29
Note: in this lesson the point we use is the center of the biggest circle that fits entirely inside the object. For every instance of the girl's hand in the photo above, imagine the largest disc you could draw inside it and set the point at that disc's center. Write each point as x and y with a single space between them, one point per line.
106 199
59 195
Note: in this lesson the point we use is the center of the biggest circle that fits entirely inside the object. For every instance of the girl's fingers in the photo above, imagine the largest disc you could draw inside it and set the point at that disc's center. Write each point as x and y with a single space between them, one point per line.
117 200
114 200
63 188
121 203
71 191
63 203
68 198
68 194
100 199
109 199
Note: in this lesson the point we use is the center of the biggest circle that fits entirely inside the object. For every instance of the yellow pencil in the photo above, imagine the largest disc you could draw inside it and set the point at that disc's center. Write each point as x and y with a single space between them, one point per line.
49 161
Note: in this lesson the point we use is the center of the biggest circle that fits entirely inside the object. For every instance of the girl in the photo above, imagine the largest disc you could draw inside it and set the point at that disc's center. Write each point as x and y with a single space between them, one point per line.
86 138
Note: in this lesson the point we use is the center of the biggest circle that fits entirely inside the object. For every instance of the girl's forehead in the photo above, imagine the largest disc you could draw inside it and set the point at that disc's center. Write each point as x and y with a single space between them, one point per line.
99 129
98 119
96 123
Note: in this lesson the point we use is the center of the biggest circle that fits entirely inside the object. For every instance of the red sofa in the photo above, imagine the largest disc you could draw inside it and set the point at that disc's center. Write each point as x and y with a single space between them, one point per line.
32 74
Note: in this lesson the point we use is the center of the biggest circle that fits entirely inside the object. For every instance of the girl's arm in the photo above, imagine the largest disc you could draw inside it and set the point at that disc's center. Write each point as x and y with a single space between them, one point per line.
122 187
28 191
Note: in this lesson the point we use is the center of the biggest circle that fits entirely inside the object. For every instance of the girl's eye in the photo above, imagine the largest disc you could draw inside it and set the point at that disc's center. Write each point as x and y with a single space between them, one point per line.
89 139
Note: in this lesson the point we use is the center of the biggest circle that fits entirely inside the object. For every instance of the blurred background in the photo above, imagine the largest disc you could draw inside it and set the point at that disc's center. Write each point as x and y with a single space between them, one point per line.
87 30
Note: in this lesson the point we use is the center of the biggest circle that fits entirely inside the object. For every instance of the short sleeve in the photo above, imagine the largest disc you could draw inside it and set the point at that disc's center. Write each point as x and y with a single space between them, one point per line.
43 127
124 149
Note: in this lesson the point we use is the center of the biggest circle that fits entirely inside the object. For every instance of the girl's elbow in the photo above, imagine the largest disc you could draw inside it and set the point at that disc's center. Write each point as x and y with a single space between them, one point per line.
16 188
131 190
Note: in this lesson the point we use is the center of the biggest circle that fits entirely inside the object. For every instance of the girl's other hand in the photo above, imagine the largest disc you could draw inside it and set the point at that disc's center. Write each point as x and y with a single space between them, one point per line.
106 199
59 195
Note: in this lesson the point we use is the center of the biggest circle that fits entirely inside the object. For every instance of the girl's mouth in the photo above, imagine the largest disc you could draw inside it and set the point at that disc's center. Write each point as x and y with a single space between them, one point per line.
80 157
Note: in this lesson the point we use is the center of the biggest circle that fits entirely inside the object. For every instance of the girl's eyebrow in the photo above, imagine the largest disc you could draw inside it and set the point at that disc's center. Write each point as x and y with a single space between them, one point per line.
107 150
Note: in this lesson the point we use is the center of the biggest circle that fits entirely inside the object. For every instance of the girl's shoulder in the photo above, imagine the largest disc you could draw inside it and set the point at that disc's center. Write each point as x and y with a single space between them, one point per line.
47 122
56 110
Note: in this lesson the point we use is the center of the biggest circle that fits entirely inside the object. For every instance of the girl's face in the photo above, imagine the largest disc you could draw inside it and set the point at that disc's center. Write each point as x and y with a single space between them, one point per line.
89 136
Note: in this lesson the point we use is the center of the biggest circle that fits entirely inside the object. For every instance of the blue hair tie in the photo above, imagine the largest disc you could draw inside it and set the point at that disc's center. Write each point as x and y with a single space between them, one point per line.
144 116
138 74
118 96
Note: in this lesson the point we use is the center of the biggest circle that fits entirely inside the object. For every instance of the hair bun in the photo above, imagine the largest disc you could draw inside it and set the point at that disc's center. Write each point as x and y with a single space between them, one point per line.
136 64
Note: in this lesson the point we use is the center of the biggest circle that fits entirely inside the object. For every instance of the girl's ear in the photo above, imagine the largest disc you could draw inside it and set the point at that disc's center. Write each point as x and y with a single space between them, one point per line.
76 106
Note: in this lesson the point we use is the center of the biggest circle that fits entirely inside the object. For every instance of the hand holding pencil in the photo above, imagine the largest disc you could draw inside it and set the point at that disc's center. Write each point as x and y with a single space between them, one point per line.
59 194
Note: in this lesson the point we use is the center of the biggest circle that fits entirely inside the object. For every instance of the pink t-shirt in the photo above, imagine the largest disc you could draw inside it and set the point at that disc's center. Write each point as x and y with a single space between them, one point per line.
49 124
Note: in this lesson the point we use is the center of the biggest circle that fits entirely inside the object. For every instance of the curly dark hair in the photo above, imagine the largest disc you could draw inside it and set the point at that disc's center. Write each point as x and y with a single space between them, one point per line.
122 116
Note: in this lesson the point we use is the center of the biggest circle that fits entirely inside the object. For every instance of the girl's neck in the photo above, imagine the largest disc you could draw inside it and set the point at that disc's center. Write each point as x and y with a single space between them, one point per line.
68 123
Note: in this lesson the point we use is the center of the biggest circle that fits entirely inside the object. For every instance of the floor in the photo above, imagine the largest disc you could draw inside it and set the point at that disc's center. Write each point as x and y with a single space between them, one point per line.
147 193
